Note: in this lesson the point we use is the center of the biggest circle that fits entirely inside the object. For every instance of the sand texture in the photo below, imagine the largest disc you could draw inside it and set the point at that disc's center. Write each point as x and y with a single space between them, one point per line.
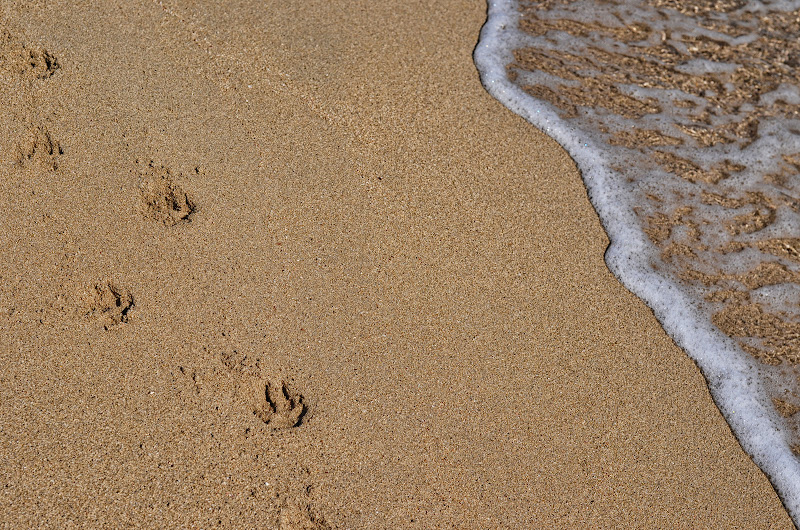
288 265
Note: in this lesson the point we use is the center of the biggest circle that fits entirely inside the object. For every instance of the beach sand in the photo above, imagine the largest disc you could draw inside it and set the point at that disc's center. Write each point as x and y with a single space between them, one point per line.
289 265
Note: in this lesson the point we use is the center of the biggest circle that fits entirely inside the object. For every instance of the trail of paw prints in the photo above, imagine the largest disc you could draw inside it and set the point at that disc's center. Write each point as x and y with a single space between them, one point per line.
163 197
25 62
20 62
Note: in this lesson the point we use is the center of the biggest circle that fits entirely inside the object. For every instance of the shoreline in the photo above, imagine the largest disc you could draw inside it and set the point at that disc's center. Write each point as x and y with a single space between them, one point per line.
743 387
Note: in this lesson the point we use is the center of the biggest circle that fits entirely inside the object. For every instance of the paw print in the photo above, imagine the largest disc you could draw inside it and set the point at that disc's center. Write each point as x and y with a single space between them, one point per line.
279 406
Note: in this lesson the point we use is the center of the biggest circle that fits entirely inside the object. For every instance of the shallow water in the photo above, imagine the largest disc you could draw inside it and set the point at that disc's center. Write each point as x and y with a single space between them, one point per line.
684 119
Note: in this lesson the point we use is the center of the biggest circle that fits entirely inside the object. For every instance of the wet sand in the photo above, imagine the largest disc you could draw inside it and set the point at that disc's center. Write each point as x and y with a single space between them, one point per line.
291 266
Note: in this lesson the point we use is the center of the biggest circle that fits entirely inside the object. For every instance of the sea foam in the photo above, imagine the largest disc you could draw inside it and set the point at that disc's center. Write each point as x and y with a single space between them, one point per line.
683 119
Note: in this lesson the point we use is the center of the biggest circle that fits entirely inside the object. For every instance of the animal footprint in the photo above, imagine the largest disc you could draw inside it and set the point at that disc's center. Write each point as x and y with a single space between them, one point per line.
24 61
38 148
164 200
299 516
109 304
278 406
241 363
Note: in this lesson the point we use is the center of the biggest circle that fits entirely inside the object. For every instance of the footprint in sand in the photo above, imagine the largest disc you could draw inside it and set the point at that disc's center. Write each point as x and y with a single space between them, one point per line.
299 516
108 303
272 400
38 149
164 199
23 61
278 406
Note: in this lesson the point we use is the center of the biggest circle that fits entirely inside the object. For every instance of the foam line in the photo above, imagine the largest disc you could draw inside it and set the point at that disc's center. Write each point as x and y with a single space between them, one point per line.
739 394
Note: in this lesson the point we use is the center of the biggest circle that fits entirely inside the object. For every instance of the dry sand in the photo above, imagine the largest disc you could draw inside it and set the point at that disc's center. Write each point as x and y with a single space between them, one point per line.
287 264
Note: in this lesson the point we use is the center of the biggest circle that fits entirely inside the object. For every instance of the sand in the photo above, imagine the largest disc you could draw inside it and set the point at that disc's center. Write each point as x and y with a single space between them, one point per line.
289 266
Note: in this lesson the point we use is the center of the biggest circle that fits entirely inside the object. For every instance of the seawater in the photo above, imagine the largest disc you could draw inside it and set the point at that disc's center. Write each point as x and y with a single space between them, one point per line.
684 119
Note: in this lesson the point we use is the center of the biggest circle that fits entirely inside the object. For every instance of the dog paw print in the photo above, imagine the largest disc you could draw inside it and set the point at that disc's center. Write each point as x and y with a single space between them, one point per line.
279 406
40 63
164 199
299 516
25 61
109 304
38 148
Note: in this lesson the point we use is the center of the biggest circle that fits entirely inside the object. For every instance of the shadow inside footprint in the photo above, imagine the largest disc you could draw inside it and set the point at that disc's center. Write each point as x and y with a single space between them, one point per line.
278 406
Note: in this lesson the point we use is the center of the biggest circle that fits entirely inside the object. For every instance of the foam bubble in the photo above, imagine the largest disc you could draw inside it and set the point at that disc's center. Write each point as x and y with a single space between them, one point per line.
684 122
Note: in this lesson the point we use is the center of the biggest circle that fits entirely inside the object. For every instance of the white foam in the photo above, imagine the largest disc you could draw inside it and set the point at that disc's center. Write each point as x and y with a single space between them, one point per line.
738 383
